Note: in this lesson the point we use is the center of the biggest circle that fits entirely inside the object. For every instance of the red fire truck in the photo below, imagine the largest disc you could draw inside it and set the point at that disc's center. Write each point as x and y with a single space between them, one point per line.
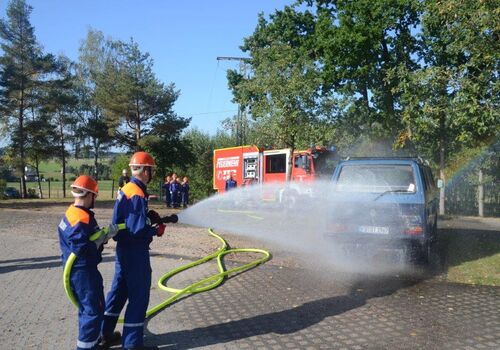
250 165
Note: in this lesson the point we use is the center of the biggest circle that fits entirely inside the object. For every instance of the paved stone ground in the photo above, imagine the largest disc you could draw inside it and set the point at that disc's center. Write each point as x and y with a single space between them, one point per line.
278 305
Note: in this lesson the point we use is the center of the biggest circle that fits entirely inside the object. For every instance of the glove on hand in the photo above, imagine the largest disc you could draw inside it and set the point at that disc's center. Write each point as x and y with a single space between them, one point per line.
154 217
112 231
160 230
101 240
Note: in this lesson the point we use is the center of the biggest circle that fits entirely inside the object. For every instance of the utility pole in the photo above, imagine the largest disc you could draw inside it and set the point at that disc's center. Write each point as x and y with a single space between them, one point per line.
241 118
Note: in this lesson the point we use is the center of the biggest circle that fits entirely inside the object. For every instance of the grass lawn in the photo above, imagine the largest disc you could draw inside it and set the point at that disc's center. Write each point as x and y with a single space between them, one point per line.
473 257
485 271
52 168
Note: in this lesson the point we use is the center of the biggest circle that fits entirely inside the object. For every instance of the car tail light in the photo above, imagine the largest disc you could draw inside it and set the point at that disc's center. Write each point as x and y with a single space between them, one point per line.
413 224
416 230
337 228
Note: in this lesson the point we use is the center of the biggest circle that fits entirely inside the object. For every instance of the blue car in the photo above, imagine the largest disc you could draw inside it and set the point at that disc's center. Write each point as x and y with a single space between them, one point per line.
11 192
384 204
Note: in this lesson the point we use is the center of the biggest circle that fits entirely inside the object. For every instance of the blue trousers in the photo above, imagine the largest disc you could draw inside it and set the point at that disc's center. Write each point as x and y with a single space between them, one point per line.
86 283
175 198
168 198
184 198
132 281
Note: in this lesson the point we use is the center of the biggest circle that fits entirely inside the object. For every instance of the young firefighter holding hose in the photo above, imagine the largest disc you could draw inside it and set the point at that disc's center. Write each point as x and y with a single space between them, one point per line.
132 279
75 229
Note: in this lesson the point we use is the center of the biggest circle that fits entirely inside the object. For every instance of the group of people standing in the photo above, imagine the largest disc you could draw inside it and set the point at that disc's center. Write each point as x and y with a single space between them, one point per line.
97 317
176 191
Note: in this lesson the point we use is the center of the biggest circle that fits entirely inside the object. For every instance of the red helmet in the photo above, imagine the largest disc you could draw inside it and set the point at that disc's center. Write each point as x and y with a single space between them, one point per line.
140 159
84 184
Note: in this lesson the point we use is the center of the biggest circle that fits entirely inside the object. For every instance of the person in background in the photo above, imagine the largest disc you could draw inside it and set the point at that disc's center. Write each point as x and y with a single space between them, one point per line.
75 229
230 183
132 279
123 179
175 188
185 192
166 189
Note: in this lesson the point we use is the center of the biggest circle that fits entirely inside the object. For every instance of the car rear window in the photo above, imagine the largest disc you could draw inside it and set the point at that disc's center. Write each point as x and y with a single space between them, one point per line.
376 178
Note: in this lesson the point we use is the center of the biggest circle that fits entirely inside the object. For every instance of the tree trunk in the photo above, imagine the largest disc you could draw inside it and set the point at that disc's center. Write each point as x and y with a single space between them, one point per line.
364 93
24 193
441 176
96 158
63 159
289 166
38 178
95 142
480 194
138 125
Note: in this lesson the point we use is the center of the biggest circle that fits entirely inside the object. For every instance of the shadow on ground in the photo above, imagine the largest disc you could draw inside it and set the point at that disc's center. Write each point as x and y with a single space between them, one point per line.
43 262
282 322
459 245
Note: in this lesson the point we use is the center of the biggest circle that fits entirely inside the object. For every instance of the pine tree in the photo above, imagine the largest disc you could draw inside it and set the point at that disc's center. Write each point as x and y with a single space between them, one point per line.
23 70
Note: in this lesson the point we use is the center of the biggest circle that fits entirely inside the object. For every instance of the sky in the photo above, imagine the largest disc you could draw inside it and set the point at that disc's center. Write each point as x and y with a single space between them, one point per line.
184 38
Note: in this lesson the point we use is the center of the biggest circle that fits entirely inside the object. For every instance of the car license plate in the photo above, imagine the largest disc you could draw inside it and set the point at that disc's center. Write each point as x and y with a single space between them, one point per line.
378 230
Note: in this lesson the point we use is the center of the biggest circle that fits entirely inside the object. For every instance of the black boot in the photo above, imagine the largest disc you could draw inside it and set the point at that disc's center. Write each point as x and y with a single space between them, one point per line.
109 340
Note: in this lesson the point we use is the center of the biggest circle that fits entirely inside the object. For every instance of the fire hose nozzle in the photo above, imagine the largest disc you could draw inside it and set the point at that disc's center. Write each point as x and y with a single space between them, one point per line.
170 218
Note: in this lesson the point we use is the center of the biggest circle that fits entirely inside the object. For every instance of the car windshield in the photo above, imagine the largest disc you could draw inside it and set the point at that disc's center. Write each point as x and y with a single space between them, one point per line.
376 178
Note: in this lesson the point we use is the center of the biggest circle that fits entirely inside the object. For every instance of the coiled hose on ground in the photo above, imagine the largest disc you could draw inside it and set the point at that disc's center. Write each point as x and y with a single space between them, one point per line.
196 287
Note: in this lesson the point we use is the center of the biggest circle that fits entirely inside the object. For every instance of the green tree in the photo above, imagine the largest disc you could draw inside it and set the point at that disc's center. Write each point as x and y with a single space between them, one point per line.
59 103
166 144
135 102
94 52
452 101
24 69
40 143
119 163
284 85
200 169
358 43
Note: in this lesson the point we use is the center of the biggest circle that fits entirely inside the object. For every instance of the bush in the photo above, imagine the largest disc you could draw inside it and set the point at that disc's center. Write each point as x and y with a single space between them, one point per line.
7 174
119 163
103 173
32 193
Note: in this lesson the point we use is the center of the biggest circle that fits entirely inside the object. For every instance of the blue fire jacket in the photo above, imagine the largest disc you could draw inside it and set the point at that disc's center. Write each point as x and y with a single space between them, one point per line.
131 208
175 186
75 229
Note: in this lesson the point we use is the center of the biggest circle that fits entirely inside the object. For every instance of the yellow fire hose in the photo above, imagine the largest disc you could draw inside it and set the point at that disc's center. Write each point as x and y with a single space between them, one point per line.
197 287
71 260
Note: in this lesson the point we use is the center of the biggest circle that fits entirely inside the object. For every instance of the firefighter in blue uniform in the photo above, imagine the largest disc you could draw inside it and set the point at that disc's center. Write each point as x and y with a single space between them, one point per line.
132 279
230 183
75 229
175 189
185 192
166 188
